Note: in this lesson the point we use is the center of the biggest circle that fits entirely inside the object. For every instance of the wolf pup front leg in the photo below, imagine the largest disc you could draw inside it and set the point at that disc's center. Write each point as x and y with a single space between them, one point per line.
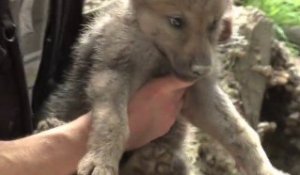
210 109
109 96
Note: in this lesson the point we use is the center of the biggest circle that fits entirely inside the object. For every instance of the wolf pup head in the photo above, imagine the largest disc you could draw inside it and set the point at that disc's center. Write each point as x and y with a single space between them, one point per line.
185 31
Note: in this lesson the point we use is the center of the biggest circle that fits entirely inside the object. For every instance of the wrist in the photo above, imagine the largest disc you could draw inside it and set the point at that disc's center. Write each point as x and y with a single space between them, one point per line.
25 155
71 140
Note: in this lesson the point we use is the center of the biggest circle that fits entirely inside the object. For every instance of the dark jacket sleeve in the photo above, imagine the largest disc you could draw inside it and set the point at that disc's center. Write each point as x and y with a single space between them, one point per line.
15 114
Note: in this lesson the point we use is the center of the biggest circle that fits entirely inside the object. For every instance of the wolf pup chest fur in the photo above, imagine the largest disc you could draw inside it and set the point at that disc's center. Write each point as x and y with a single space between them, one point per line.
127 44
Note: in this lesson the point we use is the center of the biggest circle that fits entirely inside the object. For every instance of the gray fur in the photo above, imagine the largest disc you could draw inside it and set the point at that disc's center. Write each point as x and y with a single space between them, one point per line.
112 60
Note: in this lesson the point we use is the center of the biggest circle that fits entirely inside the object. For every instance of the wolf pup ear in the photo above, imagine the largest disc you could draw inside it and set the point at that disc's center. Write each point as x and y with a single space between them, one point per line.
226 30
138 2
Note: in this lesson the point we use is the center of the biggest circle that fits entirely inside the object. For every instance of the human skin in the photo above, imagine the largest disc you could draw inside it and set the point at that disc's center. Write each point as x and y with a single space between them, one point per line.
58 151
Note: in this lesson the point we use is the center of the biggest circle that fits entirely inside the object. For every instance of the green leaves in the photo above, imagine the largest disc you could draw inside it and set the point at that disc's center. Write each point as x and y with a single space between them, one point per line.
283 12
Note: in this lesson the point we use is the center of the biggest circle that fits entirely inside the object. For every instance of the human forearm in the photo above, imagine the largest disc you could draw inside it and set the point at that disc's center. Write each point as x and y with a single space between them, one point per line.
52 152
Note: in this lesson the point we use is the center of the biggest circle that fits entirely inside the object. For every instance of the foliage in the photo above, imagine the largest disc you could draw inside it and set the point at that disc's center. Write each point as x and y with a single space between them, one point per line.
283 12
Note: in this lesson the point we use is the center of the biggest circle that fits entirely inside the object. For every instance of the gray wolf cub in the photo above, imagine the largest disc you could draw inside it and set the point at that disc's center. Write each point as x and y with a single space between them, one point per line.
130 42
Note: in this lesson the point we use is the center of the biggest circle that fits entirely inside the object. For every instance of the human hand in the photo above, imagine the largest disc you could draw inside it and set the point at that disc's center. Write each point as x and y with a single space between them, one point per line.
153 109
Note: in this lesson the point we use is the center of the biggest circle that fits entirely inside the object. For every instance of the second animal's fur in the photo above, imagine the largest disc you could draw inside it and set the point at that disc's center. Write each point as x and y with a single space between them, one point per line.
129 43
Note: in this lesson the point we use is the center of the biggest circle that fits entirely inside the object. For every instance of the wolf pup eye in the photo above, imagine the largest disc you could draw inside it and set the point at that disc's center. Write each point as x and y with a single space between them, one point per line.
177 22
213 26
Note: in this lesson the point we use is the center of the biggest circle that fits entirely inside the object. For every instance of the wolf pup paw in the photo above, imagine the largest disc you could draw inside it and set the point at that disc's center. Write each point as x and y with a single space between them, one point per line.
92 164
48 123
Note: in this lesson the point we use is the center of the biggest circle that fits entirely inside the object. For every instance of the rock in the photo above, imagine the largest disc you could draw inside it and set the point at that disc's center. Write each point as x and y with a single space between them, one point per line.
259 32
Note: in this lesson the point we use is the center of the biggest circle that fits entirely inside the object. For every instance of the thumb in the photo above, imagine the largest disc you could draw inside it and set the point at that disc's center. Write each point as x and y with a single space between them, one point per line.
171 83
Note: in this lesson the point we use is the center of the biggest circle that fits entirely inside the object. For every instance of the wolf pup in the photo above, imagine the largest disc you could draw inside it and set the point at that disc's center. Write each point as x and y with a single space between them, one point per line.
129 43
